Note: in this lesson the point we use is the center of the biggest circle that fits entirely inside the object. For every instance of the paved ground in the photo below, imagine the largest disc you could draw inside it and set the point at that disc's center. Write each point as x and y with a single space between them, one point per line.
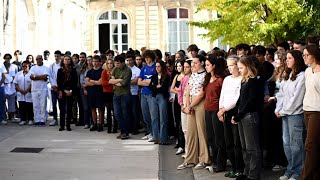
84 155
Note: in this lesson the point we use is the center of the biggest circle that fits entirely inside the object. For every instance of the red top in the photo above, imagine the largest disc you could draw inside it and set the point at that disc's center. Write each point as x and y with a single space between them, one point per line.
105 77
212 95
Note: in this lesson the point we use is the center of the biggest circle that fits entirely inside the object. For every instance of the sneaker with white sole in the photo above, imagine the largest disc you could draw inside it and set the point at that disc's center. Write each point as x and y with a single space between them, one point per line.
278 168
184 166
86 127
30 123
146 137
151 140
4 122
292 178
22 123
200 165
210 168
283 177
53 123
180 151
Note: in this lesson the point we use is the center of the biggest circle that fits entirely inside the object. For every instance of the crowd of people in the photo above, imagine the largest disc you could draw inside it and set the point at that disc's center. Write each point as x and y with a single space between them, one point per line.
253 105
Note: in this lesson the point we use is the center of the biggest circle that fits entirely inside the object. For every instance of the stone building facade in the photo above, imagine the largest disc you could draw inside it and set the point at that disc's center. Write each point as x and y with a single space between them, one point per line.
86 25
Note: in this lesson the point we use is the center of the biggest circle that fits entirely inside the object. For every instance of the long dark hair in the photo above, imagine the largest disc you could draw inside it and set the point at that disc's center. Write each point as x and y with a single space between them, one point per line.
63 66
164 73
219 69
297 67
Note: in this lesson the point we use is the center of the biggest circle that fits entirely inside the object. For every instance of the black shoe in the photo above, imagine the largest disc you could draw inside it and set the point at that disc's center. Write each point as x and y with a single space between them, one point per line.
135 132
94 128
241 177
100 128
124 136
119 136
61 128
68 129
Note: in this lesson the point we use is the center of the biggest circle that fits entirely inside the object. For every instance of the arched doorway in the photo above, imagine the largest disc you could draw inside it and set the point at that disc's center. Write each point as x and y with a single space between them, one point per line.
113 31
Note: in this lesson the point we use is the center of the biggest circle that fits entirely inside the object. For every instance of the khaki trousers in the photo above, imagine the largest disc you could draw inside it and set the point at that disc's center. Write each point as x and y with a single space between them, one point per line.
196 136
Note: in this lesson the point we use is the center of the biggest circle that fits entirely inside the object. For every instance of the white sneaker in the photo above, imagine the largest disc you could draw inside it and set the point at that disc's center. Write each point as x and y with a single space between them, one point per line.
22 123
4 122
292 178
30 123
200 165
146 137
210 168
185 165
86 127
53 123
151 139
180 151
283 177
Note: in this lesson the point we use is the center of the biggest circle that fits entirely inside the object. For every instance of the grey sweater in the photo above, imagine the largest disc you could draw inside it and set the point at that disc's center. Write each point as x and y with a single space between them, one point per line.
290 96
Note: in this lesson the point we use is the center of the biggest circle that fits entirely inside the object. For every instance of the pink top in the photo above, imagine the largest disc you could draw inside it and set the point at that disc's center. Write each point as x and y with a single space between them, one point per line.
183 84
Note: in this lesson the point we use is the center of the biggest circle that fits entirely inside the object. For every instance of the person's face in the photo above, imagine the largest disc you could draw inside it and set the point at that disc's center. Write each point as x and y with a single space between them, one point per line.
179 67
281 49
30 58
193 53
187 68
66 61
277 60
82 58
25 67
118 64
260 58
196 64
39 60
308 59
96 63
57 57
148 60
109 64
298 47
46 56
290 61
109 56
19 57
158 68
89 61
241 52
169 67
242 69
177 57
232 67
268 57
130 62
138 60
209 67
7 58
75 60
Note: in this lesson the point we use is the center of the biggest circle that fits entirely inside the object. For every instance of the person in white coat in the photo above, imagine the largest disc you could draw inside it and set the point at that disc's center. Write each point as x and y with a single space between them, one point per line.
39 91
22 83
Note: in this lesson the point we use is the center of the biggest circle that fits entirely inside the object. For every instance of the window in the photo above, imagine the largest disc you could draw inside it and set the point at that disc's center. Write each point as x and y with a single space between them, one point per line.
178 29
113 31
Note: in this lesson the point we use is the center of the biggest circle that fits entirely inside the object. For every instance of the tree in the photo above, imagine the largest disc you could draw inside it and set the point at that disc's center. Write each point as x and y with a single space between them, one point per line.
260 21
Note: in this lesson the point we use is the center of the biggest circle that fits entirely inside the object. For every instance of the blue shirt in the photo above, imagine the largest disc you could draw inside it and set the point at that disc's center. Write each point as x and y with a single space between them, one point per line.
146 73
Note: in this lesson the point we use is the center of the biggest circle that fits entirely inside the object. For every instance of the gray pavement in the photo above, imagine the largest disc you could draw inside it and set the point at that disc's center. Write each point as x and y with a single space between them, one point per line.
84 155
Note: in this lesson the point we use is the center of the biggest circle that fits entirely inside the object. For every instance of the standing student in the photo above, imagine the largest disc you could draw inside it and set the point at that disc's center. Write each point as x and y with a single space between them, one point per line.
67 80
94 88
311 107
120 78
229 96
39 91
84 93
212 88
248 120
108 96
22 83
196 139
182 101
289 107
159 86
176 108
3 71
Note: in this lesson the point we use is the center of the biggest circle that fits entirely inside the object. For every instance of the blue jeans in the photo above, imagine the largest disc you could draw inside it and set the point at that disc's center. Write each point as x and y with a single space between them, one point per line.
86 109
160 109
120 106
293 134
147 102
54 99
2 105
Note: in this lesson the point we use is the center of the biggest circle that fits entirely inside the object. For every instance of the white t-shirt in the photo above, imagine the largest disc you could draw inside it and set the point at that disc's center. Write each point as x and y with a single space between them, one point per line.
53 73
135 73
9 87
230 92
3 70
39 85
23 81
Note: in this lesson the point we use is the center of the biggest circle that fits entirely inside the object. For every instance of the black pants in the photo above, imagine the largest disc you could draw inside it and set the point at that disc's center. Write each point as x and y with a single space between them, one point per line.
77 103
176 109
215 138
171 127
232 139
249 137
65 103
111 121
25 111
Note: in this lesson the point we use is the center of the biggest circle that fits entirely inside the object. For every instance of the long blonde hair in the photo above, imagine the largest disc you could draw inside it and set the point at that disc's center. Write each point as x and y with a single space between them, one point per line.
249 63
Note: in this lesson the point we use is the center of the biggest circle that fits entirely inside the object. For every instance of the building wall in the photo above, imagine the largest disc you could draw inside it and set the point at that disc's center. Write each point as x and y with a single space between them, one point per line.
36 25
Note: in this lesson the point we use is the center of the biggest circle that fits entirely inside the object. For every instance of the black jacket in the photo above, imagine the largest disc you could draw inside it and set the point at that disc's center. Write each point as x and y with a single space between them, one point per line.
164 89
69 83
